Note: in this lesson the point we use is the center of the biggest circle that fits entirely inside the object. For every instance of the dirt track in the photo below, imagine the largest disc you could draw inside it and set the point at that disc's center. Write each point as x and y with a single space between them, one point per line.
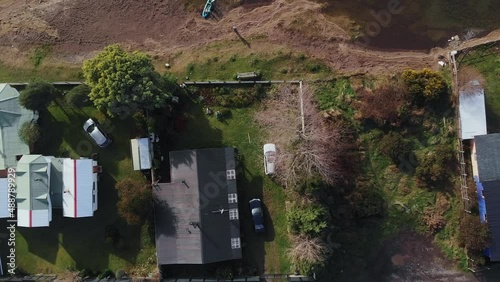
81 27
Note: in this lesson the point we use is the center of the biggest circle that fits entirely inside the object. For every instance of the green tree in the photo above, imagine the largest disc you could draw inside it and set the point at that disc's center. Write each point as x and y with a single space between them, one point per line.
310 220
425 85
135 199
30 133
38 95
78 96
122 83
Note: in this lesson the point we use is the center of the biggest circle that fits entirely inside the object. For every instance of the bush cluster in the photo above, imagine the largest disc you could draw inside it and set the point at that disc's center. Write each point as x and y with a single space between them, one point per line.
310 221
395 146
433 167
425 86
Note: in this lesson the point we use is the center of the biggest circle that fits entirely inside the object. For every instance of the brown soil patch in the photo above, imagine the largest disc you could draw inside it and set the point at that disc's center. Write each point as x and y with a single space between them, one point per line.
413 257
76 29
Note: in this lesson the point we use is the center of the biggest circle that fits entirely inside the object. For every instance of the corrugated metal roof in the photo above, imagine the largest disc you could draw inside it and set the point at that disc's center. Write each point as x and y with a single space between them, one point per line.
472 113
12 117
141 153
32 181
78 190
192 212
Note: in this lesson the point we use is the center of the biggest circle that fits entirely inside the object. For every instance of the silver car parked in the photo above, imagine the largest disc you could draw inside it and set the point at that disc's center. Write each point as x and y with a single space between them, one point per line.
96 133
269 158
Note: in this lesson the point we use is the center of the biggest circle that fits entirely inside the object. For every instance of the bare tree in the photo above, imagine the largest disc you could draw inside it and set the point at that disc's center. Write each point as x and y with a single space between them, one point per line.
301 154
307 250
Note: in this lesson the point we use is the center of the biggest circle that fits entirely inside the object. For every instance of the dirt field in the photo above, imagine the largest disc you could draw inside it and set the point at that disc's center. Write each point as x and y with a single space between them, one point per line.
411 257
77 28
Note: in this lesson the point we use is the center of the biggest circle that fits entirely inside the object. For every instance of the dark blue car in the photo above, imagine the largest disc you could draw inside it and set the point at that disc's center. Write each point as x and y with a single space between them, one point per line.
257 215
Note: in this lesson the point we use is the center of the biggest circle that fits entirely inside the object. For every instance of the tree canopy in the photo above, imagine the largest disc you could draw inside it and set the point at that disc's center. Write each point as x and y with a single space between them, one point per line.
30 133
122 83
78 96
135 199
37 95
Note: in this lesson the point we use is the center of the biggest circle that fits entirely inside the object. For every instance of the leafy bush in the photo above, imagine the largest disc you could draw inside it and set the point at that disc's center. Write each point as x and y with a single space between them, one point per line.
473 234
38 95
336 95
425 86
395 146
434 166
310 220
78 96
30 133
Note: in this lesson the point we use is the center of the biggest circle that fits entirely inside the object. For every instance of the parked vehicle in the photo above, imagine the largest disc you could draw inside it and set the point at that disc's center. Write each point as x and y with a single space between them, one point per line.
269 158
96 133
257 215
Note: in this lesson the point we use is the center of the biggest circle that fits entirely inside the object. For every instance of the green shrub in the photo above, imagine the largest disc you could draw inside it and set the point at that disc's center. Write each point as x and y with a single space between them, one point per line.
30 133
433 167
425 86
38 95
335 95
310 220
395 146
78 96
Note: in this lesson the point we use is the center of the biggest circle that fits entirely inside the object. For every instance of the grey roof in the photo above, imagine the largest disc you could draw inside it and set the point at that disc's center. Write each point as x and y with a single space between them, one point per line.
472 112
197 194
56 182
32 180
488 156
12 117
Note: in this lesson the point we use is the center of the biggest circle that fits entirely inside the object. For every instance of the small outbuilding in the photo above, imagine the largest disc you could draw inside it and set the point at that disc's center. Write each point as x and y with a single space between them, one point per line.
142 153
472 111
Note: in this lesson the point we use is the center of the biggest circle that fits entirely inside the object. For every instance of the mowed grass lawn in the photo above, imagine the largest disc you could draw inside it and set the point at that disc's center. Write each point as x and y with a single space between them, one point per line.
266 251
80 243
